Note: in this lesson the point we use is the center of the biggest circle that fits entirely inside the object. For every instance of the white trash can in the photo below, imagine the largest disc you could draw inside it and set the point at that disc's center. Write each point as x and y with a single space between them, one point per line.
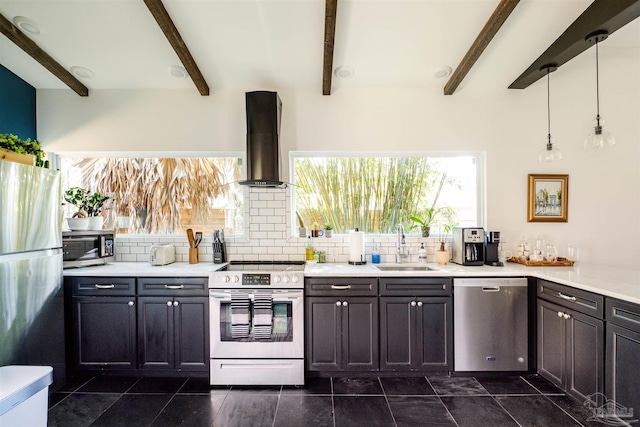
24 395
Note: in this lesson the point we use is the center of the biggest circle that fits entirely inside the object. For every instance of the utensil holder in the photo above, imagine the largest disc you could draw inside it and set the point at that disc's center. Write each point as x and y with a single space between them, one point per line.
193 255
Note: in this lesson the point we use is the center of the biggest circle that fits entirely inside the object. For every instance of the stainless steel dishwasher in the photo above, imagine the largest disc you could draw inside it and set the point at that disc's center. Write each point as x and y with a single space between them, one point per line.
490 324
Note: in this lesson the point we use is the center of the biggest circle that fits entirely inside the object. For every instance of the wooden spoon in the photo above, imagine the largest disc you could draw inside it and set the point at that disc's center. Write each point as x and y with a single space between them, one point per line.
190 237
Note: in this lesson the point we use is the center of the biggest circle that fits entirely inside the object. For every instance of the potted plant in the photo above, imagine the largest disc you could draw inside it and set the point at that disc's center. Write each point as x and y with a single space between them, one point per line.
328 229
89 207
94 207
442 254
430 215
28 150
302 230
78 197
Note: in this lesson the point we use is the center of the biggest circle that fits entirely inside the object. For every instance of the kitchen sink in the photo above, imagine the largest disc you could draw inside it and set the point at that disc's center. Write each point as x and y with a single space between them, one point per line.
403 268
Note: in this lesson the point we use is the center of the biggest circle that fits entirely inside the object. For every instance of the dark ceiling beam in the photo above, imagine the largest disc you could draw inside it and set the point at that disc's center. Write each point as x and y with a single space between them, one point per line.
498 17
170 31
608 15
18 38
330 11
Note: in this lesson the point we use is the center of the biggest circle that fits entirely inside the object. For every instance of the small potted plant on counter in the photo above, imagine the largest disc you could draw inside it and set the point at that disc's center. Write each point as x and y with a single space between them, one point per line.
442 254
328 229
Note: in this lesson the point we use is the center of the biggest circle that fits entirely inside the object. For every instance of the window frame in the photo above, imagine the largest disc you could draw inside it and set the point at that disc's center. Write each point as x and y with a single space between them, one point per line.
479 156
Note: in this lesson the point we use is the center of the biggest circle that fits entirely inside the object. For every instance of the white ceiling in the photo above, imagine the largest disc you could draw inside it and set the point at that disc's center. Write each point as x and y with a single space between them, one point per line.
277 44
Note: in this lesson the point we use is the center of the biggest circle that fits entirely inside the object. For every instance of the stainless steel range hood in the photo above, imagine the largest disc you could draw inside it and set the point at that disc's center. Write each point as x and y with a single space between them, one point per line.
263 147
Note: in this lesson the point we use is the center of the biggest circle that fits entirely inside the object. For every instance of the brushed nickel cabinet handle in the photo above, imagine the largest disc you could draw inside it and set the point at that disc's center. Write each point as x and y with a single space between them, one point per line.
174 286
111 286
341 287
567 297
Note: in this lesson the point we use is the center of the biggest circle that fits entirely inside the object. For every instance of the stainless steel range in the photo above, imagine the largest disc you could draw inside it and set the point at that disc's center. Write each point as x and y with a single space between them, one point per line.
257 324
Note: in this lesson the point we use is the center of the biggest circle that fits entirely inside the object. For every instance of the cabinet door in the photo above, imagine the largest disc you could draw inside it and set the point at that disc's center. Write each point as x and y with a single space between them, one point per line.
552 343
191 317
323 341
434 344
360 334
155 333
104 332
623 366
397 334
585 352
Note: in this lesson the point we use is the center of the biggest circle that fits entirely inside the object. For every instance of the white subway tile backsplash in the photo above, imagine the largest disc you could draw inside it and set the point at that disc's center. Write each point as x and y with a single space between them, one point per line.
268 237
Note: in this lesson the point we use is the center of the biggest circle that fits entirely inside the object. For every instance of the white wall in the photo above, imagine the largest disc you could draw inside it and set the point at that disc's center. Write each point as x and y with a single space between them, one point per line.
509 125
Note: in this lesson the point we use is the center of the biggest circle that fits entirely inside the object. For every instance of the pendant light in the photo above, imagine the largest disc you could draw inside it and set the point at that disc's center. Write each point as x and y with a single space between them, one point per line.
598 137
549 154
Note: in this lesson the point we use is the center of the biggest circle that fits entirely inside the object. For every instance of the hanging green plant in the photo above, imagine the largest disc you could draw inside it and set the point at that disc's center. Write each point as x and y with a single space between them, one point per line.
11 142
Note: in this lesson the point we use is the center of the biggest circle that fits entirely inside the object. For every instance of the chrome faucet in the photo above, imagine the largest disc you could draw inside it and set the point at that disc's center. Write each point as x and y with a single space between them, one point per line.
400 253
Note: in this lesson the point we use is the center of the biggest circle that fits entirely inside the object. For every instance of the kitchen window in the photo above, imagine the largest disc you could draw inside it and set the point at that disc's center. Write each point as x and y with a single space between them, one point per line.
377 192
160 195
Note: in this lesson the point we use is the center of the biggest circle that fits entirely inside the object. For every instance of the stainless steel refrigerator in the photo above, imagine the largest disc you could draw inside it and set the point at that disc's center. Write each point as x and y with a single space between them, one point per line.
31 293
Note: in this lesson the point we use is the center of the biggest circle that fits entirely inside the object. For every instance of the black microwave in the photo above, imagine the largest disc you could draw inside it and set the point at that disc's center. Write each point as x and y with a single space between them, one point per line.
92 247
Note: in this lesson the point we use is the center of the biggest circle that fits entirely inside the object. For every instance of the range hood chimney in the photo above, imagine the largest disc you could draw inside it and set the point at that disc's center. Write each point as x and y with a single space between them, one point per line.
263 148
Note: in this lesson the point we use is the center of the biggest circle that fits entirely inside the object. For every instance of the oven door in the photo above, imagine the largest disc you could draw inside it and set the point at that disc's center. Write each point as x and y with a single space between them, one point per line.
287 336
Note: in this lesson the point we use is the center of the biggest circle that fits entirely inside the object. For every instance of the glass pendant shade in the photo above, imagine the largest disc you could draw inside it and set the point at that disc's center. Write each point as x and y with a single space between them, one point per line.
549 154
599 137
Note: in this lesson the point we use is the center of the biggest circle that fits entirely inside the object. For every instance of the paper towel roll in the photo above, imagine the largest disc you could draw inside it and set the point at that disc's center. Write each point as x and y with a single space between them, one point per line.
356 247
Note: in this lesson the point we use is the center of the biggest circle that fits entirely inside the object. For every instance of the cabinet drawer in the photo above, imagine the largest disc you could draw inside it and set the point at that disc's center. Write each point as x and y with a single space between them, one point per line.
623 314
577 299
415 286
101 285
342 286
197 286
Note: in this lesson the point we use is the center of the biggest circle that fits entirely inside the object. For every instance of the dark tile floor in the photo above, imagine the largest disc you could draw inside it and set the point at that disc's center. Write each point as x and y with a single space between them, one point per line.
435 400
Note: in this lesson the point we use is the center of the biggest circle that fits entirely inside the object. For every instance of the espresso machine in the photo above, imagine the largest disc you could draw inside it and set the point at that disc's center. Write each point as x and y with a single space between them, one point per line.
468 245
491 247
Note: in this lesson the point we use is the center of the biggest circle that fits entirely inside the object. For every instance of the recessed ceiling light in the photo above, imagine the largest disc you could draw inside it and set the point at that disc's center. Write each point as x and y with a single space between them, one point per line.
178 72
344 72
26 25
442 72
82 72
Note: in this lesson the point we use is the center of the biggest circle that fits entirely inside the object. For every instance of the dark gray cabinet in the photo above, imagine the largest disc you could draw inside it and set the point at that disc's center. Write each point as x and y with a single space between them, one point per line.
341 324
622 350
570 342
162 324
172 333
416 328
103 323
173 327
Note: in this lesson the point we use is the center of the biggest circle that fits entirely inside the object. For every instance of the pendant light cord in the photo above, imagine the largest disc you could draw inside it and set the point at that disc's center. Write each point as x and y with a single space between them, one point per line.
597 85
548 107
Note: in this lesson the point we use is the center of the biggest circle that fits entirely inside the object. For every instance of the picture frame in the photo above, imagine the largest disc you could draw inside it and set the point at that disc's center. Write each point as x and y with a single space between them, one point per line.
548 199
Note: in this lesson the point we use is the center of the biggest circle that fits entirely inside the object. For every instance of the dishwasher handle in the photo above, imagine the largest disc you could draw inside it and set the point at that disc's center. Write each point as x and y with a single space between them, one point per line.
491 289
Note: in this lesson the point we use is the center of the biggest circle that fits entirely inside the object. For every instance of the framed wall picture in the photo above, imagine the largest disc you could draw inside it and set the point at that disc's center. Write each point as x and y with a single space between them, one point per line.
548 198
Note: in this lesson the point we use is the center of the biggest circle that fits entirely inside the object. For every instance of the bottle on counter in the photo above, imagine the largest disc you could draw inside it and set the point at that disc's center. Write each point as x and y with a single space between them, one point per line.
375 255
309 252
422 254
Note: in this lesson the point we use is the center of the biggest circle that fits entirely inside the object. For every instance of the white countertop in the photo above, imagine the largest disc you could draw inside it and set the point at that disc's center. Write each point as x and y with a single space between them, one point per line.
616 282
144 269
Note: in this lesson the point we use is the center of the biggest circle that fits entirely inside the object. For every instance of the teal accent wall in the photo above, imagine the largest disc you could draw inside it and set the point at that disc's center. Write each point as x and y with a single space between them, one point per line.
17 106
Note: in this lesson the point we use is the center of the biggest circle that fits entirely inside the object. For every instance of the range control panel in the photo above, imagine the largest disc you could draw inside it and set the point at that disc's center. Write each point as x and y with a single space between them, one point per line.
256 279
